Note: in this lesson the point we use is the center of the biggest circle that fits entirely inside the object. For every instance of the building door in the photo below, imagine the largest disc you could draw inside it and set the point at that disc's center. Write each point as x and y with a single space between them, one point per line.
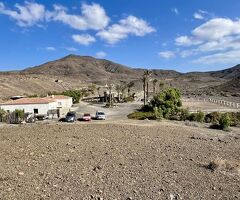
35 110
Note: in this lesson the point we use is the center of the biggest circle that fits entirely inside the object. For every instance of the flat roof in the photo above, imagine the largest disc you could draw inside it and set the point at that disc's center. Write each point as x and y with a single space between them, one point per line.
24 101
58 97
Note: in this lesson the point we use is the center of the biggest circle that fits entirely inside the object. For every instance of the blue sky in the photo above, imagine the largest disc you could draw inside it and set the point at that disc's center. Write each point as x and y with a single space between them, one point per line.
163 34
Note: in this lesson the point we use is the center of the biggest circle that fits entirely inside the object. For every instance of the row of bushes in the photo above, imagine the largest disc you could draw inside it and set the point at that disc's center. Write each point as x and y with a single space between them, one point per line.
217 119
167 104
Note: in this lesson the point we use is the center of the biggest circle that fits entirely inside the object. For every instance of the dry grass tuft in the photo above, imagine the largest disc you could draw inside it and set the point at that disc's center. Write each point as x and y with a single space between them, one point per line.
217 164
224 165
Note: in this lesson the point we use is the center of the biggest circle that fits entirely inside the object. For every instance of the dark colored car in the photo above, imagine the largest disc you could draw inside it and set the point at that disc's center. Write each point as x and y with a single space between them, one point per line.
71 117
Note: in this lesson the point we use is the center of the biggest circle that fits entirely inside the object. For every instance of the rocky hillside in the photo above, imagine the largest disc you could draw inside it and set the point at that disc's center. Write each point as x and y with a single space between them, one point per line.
75 71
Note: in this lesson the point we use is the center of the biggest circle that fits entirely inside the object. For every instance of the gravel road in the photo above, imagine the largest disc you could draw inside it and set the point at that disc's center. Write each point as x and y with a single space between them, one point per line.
116 113
142 160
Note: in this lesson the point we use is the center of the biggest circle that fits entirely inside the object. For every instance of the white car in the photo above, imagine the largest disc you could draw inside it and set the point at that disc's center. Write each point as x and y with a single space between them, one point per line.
100 115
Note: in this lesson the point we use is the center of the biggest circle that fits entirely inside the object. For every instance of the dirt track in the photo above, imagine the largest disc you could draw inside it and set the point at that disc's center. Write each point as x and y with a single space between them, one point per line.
110 161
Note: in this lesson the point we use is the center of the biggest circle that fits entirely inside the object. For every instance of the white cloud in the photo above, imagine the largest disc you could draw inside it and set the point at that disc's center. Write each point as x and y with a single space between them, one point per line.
202 15
26 15
186 41
128 26
198 16
101 54
230 57
167 54
50 48
175 10
84 39
217 28
216 41
93 17
71 49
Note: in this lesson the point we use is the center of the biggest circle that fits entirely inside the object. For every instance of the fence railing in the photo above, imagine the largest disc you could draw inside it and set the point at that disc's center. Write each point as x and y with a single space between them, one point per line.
230 104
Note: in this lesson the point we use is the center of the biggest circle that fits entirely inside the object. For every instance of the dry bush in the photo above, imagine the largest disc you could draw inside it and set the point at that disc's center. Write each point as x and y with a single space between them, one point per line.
217 164
224 165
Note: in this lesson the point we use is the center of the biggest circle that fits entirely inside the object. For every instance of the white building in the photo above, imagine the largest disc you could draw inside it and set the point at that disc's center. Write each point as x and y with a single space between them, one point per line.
62 101
40 106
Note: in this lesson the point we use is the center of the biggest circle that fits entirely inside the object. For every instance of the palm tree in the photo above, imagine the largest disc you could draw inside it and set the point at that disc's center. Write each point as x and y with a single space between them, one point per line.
147 74
123 88
154 85
129 86
118 88
98 90
144 80
161 85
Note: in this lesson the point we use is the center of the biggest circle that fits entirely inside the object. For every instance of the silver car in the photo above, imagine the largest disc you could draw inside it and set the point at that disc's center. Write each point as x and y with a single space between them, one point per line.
100 115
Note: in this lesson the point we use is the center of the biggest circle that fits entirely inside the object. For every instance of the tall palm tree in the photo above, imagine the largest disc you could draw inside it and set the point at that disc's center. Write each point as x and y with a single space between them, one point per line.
129 86
147 74
118 89
144 80
123 88
161 85
98 90
154 85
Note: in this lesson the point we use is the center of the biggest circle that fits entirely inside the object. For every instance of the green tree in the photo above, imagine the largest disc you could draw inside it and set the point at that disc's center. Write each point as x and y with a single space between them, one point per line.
161 85
168 102
144 80
98 90
2 114
225 121
130 85
147 74
154 85
118 90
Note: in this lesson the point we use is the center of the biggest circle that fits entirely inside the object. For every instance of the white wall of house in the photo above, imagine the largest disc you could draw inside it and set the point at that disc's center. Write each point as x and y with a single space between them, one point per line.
42 108
64 103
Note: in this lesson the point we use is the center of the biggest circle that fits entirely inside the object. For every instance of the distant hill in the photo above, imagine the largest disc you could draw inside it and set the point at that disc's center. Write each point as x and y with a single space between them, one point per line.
230 87
90 68
230 73
75 71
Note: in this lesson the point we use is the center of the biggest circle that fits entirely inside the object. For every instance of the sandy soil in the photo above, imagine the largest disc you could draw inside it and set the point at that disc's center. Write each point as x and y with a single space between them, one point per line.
142 160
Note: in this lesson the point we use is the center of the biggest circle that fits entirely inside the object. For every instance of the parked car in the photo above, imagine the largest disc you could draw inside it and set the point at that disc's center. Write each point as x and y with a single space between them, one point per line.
100 115
71 117
87 117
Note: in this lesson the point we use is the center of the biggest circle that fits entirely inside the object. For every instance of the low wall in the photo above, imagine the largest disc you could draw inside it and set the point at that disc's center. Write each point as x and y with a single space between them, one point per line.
230 104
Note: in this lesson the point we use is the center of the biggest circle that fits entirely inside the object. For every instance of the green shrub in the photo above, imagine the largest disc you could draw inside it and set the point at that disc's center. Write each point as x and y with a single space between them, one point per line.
235 118
142 115
213 118
2 114
192 117
225 121
146 108
184 114
200 116
168 101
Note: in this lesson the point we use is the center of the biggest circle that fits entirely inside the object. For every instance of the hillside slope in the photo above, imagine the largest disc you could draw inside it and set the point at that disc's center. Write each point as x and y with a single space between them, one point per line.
75 71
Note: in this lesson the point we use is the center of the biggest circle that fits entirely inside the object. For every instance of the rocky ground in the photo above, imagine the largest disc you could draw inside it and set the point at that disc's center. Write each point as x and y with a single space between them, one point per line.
104 160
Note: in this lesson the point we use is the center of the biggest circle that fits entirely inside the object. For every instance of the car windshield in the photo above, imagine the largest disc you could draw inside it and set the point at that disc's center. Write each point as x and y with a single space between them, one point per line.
70 115
100 113
86 115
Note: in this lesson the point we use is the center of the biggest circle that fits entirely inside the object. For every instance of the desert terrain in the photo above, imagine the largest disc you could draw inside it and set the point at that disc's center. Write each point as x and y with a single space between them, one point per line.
107 160
75 72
